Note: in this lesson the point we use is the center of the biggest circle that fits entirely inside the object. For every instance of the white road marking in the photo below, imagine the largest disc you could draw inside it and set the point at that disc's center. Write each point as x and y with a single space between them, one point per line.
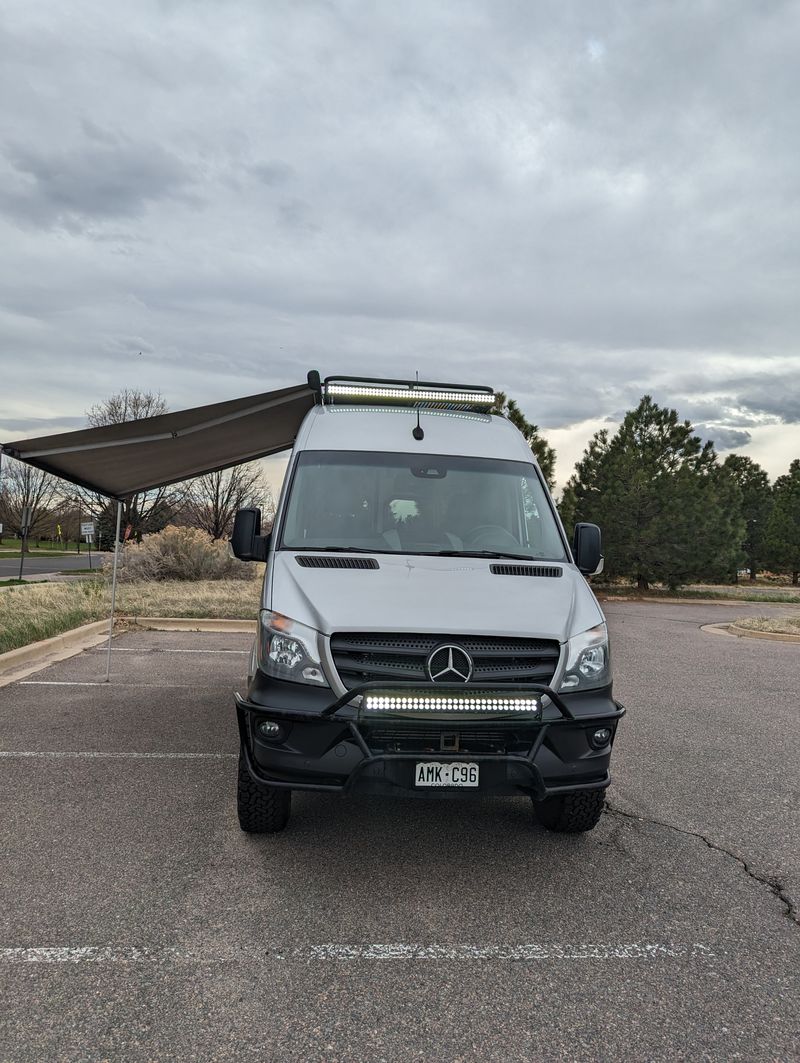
158 649
81 954
635 951
60 683
115 684
10 754
397 951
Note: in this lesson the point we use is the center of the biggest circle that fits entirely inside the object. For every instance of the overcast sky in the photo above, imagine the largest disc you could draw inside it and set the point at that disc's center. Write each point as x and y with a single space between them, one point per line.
575 202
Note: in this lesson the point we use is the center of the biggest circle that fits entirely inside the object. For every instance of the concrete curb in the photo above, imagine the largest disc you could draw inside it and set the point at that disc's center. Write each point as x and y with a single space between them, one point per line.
717 629
15 664
733 631
771 636
187 623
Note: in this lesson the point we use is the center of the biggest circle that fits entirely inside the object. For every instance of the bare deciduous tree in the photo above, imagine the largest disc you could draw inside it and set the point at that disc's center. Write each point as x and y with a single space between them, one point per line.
145 511
21 486
212 500
129 404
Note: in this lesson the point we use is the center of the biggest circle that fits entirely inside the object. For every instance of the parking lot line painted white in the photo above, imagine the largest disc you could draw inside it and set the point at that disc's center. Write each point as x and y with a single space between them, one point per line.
158 649
10 754
60 683
114 684
400 951
349 953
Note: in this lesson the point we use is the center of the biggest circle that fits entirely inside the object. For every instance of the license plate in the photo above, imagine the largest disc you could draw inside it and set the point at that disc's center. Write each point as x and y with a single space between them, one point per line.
437 773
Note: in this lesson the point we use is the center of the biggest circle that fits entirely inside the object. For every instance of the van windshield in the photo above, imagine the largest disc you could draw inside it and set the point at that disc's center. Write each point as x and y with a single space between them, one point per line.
419 504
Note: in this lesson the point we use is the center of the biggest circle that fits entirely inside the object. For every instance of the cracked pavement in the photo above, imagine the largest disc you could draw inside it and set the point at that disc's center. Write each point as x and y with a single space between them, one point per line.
138 923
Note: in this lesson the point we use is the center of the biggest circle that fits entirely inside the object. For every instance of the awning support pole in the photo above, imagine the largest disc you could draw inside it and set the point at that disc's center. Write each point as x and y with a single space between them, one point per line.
113 592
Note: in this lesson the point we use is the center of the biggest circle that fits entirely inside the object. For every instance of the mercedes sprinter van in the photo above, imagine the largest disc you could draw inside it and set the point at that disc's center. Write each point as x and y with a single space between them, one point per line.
425 627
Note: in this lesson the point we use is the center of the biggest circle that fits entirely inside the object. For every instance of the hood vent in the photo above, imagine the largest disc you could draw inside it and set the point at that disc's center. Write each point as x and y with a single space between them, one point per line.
313 561
526 570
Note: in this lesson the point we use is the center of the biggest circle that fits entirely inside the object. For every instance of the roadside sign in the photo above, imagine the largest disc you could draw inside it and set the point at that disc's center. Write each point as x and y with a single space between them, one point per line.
87 528
26 519
1 528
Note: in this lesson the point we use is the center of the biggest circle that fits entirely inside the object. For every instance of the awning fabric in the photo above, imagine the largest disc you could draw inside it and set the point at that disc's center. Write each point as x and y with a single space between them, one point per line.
120 459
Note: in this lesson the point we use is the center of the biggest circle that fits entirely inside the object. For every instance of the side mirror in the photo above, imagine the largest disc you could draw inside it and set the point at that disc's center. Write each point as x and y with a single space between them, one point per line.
586 549
247 542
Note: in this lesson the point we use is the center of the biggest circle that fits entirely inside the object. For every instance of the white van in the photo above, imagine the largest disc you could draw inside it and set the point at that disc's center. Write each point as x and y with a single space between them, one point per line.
425 628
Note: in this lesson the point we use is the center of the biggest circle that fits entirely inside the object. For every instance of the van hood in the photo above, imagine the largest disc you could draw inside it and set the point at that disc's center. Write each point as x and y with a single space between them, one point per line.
441 595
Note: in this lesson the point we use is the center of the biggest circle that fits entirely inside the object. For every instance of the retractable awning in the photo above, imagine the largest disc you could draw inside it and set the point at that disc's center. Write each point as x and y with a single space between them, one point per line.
120 459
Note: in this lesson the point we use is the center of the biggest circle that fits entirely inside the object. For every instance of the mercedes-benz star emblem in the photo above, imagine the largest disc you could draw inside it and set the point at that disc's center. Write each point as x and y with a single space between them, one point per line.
449 664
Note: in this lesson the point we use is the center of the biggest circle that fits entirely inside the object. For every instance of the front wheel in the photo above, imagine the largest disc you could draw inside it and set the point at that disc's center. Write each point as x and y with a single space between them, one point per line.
571 813
262 809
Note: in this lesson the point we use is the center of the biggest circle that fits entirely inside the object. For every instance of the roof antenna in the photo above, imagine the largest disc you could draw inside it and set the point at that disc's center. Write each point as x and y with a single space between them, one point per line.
417 431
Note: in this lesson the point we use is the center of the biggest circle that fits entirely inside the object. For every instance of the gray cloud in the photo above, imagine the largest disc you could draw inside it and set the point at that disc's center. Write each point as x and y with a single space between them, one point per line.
780 399
723 438
576 203
97 180
40 425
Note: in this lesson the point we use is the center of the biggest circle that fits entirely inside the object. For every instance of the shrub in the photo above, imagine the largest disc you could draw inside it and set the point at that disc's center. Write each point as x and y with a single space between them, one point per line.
179 554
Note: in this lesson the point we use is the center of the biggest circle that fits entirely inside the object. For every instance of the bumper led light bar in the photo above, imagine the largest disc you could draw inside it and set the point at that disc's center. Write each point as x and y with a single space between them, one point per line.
407 393
452 703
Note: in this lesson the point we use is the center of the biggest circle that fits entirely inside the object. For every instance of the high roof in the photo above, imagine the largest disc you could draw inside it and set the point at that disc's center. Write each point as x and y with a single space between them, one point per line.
391 429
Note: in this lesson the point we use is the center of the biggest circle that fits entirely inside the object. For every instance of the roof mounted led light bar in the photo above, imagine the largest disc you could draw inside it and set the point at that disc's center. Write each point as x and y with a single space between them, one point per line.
419 394
479 701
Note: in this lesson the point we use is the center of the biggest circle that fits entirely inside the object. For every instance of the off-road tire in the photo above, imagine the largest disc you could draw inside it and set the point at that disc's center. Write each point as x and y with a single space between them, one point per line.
262 809
571 813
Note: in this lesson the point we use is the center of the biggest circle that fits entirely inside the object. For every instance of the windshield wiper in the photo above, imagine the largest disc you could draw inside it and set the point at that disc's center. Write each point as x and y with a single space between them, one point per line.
496 554
483 553
342 549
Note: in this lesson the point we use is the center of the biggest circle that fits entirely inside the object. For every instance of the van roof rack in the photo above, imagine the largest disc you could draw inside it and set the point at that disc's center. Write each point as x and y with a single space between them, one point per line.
418 394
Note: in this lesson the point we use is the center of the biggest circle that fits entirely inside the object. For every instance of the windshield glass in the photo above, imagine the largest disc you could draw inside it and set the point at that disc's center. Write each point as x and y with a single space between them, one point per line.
419 504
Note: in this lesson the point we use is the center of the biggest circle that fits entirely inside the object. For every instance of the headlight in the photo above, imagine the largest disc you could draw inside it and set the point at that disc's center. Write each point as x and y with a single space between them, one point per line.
288 650
588 660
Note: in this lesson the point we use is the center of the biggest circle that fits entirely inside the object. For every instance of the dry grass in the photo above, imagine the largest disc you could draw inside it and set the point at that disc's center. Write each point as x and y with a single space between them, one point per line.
220 599
742 592
780 625
40 610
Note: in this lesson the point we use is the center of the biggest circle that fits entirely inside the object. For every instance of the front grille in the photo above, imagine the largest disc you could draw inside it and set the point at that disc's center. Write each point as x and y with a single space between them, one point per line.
367 658
420 737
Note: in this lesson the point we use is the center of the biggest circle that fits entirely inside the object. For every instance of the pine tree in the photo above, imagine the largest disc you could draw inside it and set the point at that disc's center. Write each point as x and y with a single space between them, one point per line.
783 528
655 489
542 451
756 496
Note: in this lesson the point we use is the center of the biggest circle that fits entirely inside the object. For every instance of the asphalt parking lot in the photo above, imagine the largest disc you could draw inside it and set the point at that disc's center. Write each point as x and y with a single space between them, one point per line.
138 923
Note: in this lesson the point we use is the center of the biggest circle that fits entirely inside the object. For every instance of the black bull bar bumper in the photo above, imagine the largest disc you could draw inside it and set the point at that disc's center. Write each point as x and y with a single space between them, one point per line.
518 767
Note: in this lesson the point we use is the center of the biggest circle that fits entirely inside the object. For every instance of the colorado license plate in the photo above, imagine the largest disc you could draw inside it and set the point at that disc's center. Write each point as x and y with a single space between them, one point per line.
436 773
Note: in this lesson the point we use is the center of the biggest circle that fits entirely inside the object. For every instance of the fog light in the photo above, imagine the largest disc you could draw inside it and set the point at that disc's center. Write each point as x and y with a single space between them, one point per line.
270 729
600 737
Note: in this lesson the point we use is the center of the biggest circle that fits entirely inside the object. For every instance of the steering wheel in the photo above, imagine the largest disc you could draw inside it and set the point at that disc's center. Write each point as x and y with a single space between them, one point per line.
489 531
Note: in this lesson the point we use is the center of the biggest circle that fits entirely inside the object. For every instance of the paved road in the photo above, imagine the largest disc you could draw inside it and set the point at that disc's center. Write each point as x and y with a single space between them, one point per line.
9 566
380 930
